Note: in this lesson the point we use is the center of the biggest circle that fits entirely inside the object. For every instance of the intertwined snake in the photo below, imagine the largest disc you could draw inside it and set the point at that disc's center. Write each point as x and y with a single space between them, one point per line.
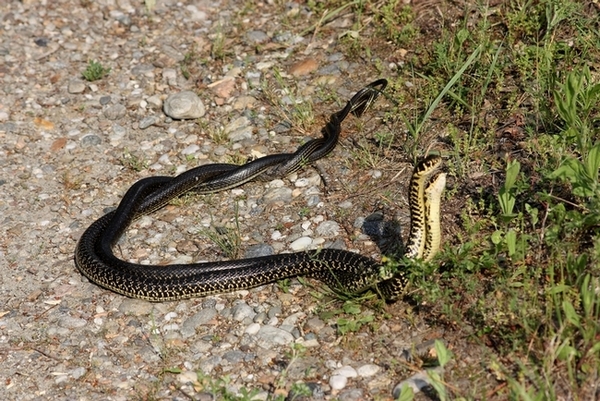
341 270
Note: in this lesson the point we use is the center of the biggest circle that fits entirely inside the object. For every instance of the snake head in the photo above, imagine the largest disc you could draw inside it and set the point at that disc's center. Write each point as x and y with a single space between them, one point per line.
364 98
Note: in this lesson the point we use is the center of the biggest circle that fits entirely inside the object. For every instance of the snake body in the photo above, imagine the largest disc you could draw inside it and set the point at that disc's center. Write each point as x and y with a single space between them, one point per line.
341 270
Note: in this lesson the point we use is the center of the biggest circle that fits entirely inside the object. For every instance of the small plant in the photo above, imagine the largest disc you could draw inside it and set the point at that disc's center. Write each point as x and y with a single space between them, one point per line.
94 71
133 161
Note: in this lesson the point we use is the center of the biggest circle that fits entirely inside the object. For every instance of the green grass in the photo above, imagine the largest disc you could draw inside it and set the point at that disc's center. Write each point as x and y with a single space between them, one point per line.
509 96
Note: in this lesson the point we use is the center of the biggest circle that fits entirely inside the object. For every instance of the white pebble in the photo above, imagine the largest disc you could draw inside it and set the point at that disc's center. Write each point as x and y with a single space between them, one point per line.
301 244
367 370
252 329
170 315
346 371
338 382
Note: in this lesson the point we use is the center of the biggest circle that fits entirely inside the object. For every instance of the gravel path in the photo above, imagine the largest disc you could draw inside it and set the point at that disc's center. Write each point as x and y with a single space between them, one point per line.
70 149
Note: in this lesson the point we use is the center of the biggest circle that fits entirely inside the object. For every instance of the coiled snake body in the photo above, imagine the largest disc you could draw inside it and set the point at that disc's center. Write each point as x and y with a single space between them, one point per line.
341 270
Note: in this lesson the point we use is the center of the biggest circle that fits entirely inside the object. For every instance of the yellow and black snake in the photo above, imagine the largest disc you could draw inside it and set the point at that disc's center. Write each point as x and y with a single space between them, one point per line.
341 270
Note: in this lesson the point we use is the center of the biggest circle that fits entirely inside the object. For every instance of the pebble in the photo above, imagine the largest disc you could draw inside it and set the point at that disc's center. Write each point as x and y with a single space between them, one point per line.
78 372
304 67
269 337
328 228
135 307
241 311
301 244
277 195
346 371
148 122
90 140
184 105
257 37
259 250
368 370
252 329
115 112
338 382
200 318
76 86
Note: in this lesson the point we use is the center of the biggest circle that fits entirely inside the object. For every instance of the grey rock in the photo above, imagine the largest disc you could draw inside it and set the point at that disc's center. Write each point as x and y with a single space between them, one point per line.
351 394
184 105
90 140
258 250
142 69
328 228
202 317
115 112
274 311
257 37
269 337
313 201
282 194
78 372
241 311
148 121
241 134
76 86
136 307
260 317
234 356
314 324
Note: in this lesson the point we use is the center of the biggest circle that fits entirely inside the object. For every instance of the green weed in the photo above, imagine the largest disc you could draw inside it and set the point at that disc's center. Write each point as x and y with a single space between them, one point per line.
95 71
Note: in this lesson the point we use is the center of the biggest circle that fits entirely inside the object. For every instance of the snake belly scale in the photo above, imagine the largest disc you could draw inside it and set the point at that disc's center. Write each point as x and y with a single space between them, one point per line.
340 270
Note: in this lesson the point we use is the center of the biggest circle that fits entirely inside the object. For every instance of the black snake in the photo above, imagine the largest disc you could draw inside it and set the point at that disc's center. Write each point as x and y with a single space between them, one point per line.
340 270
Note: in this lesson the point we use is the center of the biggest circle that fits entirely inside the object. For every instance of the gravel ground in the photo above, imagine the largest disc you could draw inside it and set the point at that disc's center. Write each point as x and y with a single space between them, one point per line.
71 148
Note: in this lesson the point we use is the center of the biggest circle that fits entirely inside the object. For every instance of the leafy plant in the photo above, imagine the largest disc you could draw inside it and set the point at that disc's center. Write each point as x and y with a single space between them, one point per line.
95 71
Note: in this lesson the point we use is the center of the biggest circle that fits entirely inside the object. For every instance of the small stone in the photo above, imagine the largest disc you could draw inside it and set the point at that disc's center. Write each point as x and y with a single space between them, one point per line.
240 134
234 356
241 311
76 86
223 88
257 37
346 371
314 324
367 370
301 244
90 140
338 382
190 149
202 317
184 105
78 372
252 329
274 312
115 112
136 307
274 195
155 101
244 102
259 250
328 228
148 121
269 337
304 67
